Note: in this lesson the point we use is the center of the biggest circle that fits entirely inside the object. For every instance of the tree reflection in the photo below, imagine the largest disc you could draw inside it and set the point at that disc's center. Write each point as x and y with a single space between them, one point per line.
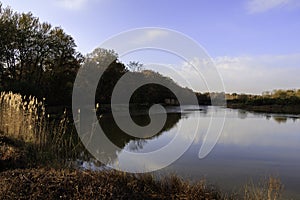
280 119
242 114
120 138
108 153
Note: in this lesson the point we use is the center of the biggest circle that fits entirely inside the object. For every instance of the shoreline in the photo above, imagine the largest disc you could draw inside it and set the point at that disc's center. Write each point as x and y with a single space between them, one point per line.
50 181
274 109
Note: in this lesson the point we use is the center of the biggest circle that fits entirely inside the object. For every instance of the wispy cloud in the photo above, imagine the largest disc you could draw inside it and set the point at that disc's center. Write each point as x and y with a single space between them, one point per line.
151 35
72 4
255 74
244 74
259 6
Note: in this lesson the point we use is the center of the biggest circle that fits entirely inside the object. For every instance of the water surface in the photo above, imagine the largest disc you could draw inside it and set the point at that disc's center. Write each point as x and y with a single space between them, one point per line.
251 146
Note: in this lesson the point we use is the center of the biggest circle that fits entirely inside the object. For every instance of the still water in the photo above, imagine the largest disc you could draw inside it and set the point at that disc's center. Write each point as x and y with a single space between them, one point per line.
251 146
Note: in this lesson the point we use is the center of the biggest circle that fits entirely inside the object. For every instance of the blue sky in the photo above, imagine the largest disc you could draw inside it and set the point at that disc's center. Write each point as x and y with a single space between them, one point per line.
255 43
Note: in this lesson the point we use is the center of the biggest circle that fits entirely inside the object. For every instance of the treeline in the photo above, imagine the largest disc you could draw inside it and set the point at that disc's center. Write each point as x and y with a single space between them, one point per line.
106 62
277 97
41 60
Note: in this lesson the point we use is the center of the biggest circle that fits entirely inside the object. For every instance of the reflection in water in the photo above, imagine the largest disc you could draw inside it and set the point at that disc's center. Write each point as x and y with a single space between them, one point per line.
251 146
109 153
242 114
280 119
268 117
120 138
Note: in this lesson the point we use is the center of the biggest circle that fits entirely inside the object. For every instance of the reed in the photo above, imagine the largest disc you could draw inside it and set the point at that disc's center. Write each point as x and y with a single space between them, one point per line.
22 118
25 119
269 189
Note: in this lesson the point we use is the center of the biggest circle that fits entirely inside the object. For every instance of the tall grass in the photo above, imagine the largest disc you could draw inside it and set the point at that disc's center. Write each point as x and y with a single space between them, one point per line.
269 189
25 118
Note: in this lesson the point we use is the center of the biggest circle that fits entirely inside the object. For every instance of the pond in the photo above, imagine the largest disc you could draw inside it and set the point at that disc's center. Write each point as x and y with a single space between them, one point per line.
251 146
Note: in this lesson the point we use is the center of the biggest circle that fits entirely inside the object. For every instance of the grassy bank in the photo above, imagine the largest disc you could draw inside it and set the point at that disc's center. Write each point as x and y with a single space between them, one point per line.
48 183
280 109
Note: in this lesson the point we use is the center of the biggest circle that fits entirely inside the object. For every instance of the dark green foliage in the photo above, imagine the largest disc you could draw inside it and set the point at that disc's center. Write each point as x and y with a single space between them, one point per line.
35 58
105 62
203 98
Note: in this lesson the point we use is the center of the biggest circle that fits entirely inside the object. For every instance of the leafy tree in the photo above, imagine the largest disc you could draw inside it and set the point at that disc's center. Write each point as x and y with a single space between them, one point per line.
105 62
36 58
100 59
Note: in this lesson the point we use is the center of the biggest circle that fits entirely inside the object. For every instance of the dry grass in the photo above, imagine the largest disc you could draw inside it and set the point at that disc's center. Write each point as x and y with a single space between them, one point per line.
49 183
74 184
269 189
24 119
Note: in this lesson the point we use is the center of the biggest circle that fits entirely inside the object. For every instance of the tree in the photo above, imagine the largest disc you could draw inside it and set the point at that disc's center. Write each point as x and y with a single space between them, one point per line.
105 62
36 54
280 94
135 66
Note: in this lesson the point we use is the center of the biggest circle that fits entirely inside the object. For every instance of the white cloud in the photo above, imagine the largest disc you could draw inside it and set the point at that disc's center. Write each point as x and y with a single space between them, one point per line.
244 74
259 6
72 4
153 34
197 74
150 36
259 73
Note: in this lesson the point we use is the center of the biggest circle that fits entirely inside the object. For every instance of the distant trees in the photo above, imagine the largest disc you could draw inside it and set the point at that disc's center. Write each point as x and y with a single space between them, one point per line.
277 97
135 66
36 58
204 98
100 59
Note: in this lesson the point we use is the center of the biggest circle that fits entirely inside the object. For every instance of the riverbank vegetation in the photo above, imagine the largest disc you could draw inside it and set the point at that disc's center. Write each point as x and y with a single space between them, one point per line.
75 184
23 121
278 101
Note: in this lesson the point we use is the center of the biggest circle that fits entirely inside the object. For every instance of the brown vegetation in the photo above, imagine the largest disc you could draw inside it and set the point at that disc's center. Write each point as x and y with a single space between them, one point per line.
278 101
23 119
49 183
